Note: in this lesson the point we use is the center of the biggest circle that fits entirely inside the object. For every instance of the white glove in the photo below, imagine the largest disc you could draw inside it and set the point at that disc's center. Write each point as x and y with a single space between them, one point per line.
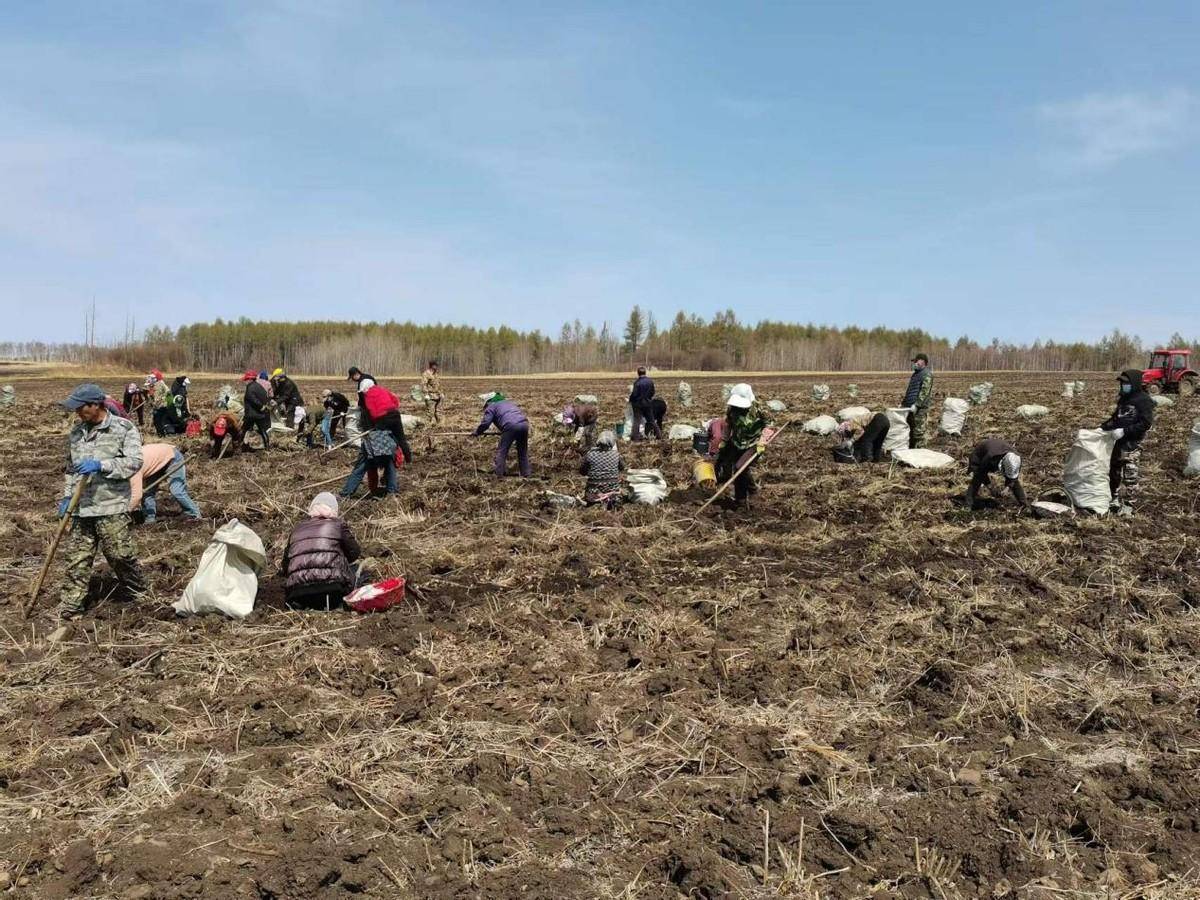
1118 433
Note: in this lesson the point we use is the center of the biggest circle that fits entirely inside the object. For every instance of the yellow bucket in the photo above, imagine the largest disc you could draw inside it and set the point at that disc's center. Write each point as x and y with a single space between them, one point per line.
705 474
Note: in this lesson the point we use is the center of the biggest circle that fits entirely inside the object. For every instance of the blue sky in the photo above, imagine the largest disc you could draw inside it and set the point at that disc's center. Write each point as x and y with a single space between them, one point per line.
1012 171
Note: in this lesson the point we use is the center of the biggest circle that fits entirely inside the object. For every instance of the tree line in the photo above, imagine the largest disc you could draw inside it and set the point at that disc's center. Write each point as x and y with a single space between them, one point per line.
687 342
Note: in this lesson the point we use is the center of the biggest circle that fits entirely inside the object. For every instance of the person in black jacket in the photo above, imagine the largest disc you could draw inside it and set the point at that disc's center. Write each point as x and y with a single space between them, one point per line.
1129 423
179 390
287 396
316 563
994 455
257 409
336 407
641 398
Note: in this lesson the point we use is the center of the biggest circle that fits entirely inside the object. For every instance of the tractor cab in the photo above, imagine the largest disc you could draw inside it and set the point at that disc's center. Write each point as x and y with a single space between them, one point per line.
1170 371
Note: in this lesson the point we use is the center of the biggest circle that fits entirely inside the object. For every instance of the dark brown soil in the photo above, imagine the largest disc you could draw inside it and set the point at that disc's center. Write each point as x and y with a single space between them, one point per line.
857 688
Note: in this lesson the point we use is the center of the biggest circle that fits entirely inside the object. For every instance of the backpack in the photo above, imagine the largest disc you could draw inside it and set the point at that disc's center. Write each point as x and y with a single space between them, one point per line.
380 401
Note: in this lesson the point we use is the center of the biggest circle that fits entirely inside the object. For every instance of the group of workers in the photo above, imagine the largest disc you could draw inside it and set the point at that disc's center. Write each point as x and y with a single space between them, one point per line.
111 475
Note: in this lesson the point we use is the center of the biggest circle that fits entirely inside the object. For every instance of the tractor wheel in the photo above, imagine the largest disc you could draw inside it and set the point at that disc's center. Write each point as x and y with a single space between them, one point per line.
1154 387
1187 386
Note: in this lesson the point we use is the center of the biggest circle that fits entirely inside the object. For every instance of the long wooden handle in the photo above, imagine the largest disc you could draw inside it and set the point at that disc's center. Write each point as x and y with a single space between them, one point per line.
741 469
62 527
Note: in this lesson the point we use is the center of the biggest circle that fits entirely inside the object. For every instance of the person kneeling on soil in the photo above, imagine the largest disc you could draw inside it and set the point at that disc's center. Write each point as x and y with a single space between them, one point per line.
316 563
513 427
378 450
990 456
107 452
1133 417
225 427
603 466
862 439
161 461
741 442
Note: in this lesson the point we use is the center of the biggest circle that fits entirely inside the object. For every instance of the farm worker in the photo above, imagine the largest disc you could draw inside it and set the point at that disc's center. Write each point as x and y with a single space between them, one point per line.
658 406
257 404
287 397
994 455
336 406
179 390
8 396
158 387
1132 418
431 387
603 465
364 381
513 428
157 461
380 408
581 417
225 427
135 402
166 418
377 451
919 396
107 451
741 441
115 406
861 438
316 563
641 398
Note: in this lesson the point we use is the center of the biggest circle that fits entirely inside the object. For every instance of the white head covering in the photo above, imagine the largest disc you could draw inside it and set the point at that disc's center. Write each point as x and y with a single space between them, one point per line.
324 506
742 396
1010 466
606 439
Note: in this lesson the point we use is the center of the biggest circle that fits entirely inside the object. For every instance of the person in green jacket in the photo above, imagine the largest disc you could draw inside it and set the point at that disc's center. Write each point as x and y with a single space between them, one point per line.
742 440
918 397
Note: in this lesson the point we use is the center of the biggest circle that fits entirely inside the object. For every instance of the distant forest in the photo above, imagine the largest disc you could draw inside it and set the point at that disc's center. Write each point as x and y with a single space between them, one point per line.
687 342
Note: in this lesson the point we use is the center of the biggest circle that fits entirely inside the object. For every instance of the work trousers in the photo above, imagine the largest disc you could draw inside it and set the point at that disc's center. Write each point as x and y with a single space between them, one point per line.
728 461
112 536
509 436
869 447
1124 474
643 420
177 484
918 419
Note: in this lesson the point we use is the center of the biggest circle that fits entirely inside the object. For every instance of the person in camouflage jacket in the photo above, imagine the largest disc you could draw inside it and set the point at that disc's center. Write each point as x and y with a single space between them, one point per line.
742 440
918 396
107 451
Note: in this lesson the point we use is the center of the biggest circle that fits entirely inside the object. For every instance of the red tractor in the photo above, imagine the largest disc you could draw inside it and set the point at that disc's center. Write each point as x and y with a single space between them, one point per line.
1169 371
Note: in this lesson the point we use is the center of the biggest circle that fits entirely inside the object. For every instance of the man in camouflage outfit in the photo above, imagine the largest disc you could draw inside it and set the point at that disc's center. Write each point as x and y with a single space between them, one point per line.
107 451
431 388
918 396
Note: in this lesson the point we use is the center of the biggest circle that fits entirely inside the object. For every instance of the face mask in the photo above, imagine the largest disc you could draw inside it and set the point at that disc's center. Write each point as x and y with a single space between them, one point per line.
916 368
1127 389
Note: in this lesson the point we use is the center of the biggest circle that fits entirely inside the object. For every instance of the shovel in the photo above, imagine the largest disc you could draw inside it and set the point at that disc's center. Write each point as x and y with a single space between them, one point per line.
62 527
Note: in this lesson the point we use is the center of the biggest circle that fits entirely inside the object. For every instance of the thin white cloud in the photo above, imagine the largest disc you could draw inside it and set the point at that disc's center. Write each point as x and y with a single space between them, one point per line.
1101 130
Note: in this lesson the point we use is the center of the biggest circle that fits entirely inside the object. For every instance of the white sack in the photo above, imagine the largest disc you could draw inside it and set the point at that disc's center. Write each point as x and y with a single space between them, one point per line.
923 459
417 394
1045 509
227 579
897 436
647 485
1079 386
981 393
1068 389
1192 468
954 415
411 423
682 432
685 393
823 425
851 412
1162 400
627 431
726 390
587 398
1085 474
353 433
1032 411
820 392
776 406
852 390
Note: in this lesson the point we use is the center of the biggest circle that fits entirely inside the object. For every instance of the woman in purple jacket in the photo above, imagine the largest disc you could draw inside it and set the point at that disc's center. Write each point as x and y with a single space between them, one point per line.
513 428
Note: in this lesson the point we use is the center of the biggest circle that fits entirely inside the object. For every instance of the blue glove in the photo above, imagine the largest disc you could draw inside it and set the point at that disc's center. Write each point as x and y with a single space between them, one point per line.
88 467
62 506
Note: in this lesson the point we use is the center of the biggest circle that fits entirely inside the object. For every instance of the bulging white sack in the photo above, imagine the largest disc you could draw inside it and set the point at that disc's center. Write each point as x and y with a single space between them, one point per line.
682 432
897 436
1085 473
776 406
820 392
627 431
647 485
1032 411
685 393
822 425
954 415
1192 469
923 459
411 423
981 393
226 580
1162 400
851 412
852 390
1068 389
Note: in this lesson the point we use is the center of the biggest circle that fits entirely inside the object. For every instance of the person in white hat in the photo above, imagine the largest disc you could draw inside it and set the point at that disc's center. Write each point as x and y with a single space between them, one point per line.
994 455
745 421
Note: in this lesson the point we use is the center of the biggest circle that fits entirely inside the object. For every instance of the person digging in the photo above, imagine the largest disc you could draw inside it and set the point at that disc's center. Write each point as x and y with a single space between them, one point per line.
989 457
105 451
